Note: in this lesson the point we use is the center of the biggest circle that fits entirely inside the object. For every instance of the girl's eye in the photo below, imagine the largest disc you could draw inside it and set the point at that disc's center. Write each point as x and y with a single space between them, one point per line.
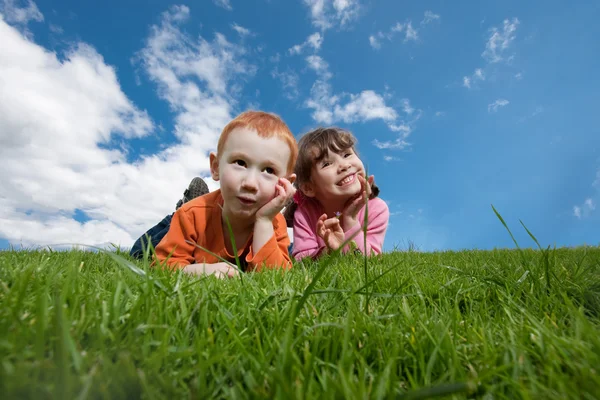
347 155
325 164
269 170
241 163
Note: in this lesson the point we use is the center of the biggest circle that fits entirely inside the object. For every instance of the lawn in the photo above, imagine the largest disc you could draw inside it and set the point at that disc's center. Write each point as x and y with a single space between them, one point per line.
468 324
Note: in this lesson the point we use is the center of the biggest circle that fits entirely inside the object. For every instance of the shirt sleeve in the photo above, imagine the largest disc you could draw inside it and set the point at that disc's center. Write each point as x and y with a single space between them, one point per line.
274 253
182 230
306 243
377 222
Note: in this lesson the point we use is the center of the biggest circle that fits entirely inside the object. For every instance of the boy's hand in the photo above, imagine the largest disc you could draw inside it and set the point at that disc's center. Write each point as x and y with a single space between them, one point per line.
330 230
220 270
284 191
356 203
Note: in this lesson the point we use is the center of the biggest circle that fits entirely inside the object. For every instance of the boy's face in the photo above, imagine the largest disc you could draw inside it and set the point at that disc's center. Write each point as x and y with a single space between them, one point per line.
248 169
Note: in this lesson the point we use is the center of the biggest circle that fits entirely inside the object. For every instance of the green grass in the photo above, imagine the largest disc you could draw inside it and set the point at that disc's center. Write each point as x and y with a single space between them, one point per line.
469 324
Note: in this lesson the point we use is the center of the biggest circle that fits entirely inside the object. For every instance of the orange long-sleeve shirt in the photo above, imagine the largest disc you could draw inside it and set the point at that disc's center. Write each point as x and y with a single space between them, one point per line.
199 221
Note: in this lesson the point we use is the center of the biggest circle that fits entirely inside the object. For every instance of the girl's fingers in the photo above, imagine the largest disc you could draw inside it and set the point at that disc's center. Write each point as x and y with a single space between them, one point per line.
331 223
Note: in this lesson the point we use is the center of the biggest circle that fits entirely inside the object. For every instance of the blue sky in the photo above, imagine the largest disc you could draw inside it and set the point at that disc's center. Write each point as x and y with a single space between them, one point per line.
107 111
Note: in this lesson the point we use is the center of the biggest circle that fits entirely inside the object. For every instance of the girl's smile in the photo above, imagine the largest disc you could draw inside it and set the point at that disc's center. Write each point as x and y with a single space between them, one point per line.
347 180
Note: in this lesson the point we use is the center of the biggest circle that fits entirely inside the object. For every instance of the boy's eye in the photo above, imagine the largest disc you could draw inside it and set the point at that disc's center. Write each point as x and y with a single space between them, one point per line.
241 163
325 164
347 155
269 170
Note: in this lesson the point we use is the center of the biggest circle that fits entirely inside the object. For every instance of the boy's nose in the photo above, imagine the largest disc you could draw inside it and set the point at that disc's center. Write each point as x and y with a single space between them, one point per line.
250 182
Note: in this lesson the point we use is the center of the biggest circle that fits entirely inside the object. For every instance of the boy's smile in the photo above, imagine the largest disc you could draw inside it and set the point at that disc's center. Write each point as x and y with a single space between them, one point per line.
249 168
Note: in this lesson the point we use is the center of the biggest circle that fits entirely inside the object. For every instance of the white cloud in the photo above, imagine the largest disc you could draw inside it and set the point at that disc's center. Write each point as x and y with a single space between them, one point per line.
319 65
315 40
367 105
410 33
327 14
495 50
589 204
478 75
585 209
55 29
390 158
430 17
500 41
289 82
440 113
376 44
20 12
226 4
399 143
493 107
243 32
61 116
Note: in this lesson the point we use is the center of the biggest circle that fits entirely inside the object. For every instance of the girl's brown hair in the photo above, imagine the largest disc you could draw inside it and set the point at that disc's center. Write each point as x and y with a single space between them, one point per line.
313 147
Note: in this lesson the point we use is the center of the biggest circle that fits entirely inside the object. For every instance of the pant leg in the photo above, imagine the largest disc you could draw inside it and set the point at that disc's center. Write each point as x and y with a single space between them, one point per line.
156 233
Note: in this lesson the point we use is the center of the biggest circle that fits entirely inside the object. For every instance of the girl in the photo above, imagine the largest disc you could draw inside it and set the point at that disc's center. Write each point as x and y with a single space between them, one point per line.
330 205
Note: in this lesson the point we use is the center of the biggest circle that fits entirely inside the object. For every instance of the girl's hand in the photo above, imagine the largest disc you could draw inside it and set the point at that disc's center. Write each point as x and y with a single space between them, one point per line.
220 270
357 202
330 230
284 191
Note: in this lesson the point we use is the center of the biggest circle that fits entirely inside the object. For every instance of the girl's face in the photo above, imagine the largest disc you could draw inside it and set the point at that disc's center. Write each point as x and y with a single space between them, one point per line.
335 177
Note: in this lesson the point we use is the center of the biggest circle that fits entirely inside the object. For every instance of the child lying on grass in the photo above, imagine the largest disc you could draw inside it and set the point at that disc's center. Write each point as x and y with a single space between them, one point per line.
331 202
254 162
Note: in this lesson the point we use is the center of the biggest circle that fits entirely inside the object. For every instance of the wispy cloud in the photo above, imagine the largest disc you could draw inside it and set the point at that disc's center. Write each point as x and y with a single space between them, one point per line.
326 14
477 76
226 4
493 107
55 29
15 13
390 158
496 50
430 17
585 209
243 32
500 40
367 105
405 29
314 41
289 82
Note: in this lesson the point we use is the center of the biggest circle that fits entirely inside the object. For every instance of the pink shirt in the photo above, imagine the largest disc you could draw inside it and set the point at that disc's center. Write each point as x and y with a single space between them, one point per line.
308 244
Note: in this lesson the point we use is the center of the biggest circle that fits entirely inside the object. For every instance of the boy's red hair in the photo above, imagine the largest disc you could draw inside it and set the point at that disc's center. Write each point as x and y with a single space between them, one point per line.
266 125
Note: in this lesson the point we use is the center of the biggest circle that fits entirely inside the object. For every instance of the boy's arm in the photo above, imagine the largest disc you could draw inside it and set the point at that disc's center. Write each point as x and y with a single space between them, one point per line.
306 243
378 218
182 230
273 253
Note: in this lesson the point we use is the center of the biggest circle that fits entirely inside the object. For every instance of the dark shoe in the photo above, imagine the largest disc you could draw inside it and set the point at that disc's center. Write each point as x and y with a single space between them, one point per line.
196 188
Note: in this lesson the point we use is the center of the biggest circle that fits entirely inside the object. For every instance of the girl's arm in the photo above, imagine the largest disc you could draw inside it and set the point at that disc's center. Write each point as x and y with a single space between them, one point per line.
306 243
378 218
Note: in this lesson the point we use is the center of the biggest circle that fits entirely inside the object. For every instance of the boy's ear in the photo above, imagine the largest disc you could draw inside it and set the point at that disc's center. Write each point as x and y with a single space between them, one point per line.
308 189
292 178
214 165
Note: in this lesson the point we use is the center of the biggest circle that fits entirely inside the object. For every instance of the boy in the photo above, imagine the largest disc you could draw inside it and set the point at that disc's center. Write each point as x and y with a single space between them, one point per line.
255 153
